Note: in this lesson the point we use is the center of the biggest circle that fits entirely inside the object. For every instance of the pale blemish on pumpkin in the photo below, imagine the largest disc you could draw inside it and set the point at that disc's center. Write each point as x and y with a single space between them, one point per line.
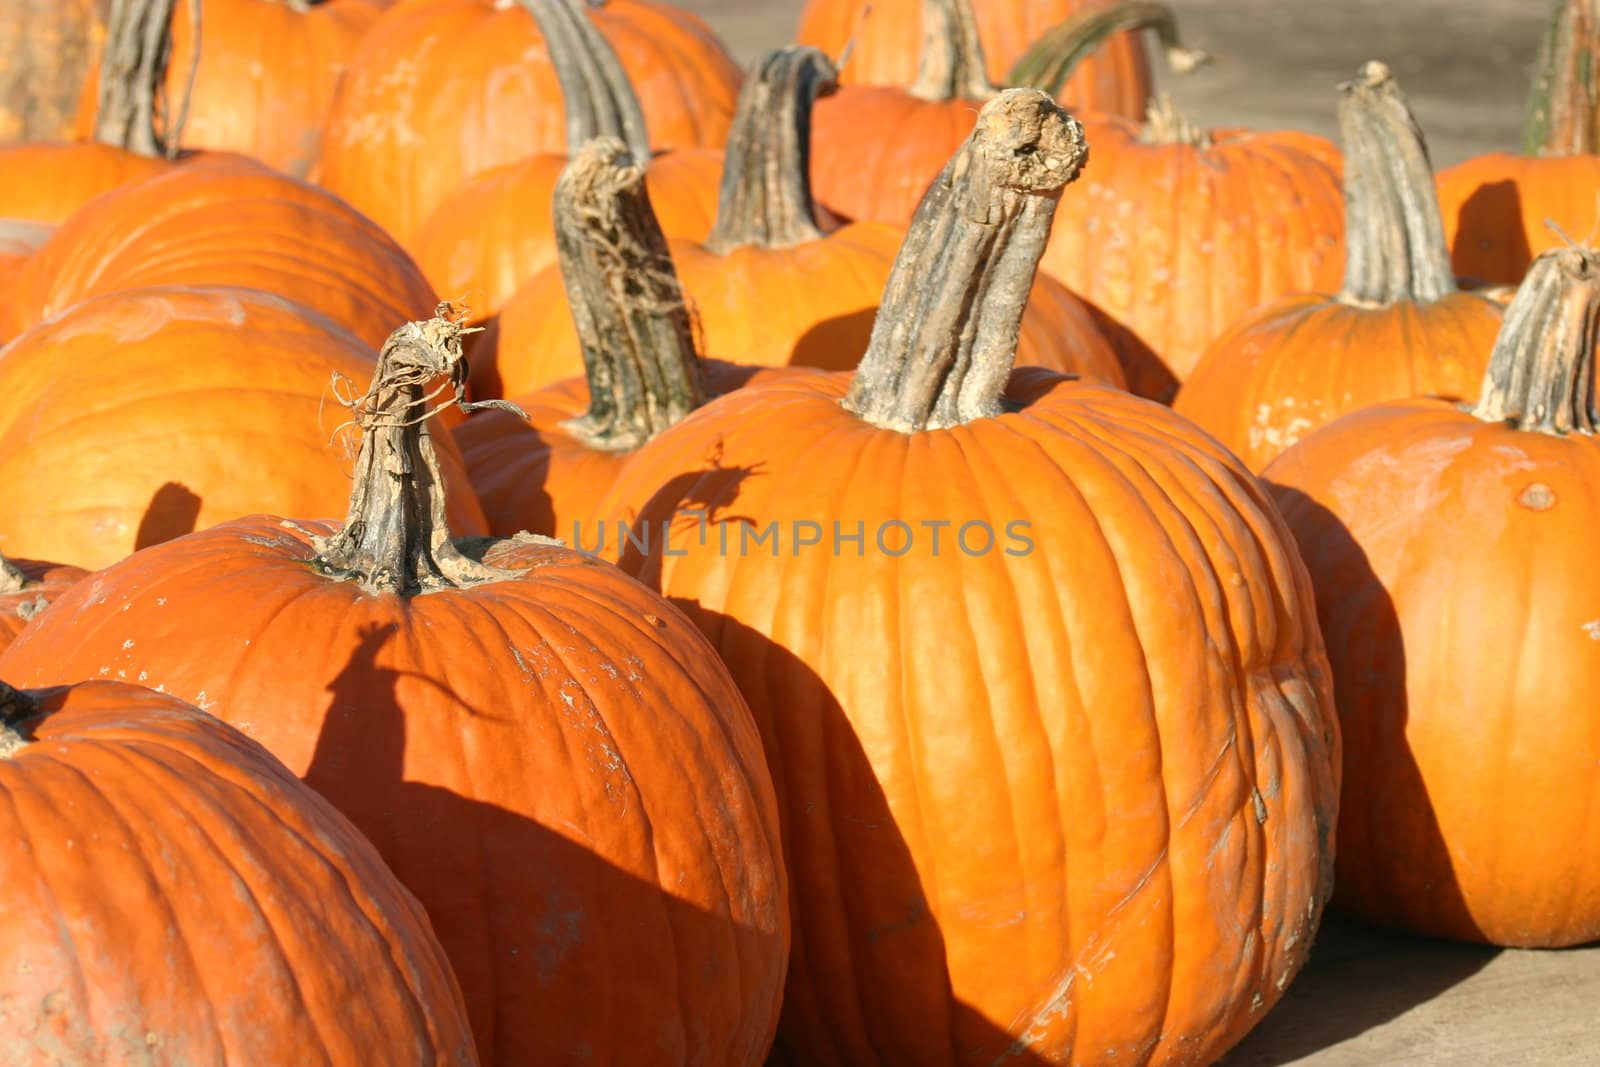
1537 497
1592 628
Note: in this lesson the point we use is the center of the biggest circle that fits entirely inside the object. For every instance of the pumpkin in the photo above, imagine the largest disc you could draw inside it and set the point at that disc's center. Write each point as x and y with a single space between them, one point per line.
225 221
547 754
1400 326
775 284
879 144
1180 232
146 414
442 90
466 246
1449 547
1034 660
174 895
27 587
46 47
541 467
1498 207
882 39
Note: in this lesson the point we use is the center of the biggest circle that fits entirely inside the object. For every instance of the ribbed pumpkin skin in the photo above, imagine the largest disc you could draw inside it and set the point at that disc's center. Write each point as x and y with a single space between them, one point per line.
228 221
1459 613
442 90
46 47
144 415
557 766
887 48
174 895
1497 208
1302 362
1072 801
808 305
495 232
1177 243
46 582
533 475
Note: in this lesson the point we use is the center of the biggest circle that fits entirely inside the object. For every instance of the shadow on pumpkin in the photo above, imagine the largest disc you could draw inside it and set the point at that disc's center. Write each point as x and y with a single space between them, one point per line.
858 889
603 962
1360 976
1494 212
835 344
174 511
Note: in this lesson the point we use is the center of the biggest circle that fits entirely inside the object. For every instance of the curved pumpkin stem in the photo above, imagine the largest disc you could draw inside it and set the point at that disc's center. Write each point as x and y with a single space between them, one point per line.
1541 376
396 538
633 324
946 334
599 99
1395 244
16 707
133 107
766 170
1564 107
953 66
1051 60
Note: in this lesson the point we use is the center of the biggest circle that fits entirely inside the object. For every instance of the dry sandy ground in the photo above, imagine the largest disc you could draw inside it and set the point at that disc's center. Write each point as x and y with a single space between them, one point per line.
1367 999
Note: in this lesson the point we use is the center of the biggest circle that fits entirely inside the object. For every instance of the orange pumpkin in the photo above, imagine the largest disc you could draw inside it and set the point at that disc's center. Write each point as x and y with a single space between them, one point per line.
1400 326
174 895
1498 207
1452 553
495 232
27 587
145 414
225 221
772 286
443 90
546 753
1068 736
1178 233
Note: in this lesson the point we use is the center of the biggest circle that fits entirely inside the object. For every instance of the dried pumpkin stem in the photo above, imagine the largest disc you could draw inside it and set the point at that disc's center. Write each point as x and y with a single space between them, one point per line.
16 707
946 334
1541 375
395 538
953 66
633 324
599 99
1051 60
1395 244
133 109
12 580
1564 106
766 170
1165 124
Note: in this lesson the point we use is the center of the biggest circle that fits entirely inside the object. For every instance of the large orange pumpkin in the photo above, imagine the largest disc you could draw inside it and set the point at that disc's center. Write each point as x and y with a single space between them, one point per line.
442 90
777 283
147 414
884 47
1452 553
28 587
547 754
1178 233
494 232
1498 207
225 221
1400 327
1036 666
174 895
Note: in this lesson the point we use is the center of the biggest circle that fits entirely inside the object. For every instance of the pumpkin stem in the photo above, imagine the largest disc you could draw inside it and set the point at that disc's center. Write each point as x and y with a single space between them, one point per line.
599 99
766 170
946 333
1396 249
1541 375
1564 106
1051 60
1165 124
396 538
132 104
633 324
12 580
953 66
16 707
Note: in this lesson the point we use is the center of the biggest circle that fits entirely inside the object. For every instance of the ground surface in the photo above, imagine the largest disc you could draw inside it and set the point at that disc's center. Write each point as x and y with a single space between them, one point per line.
1367 999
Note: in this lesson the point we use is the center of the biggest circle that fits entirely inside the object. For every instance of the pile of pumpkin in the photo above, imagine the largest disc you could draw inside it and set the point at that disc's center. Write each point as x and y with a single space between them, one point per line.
787 754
